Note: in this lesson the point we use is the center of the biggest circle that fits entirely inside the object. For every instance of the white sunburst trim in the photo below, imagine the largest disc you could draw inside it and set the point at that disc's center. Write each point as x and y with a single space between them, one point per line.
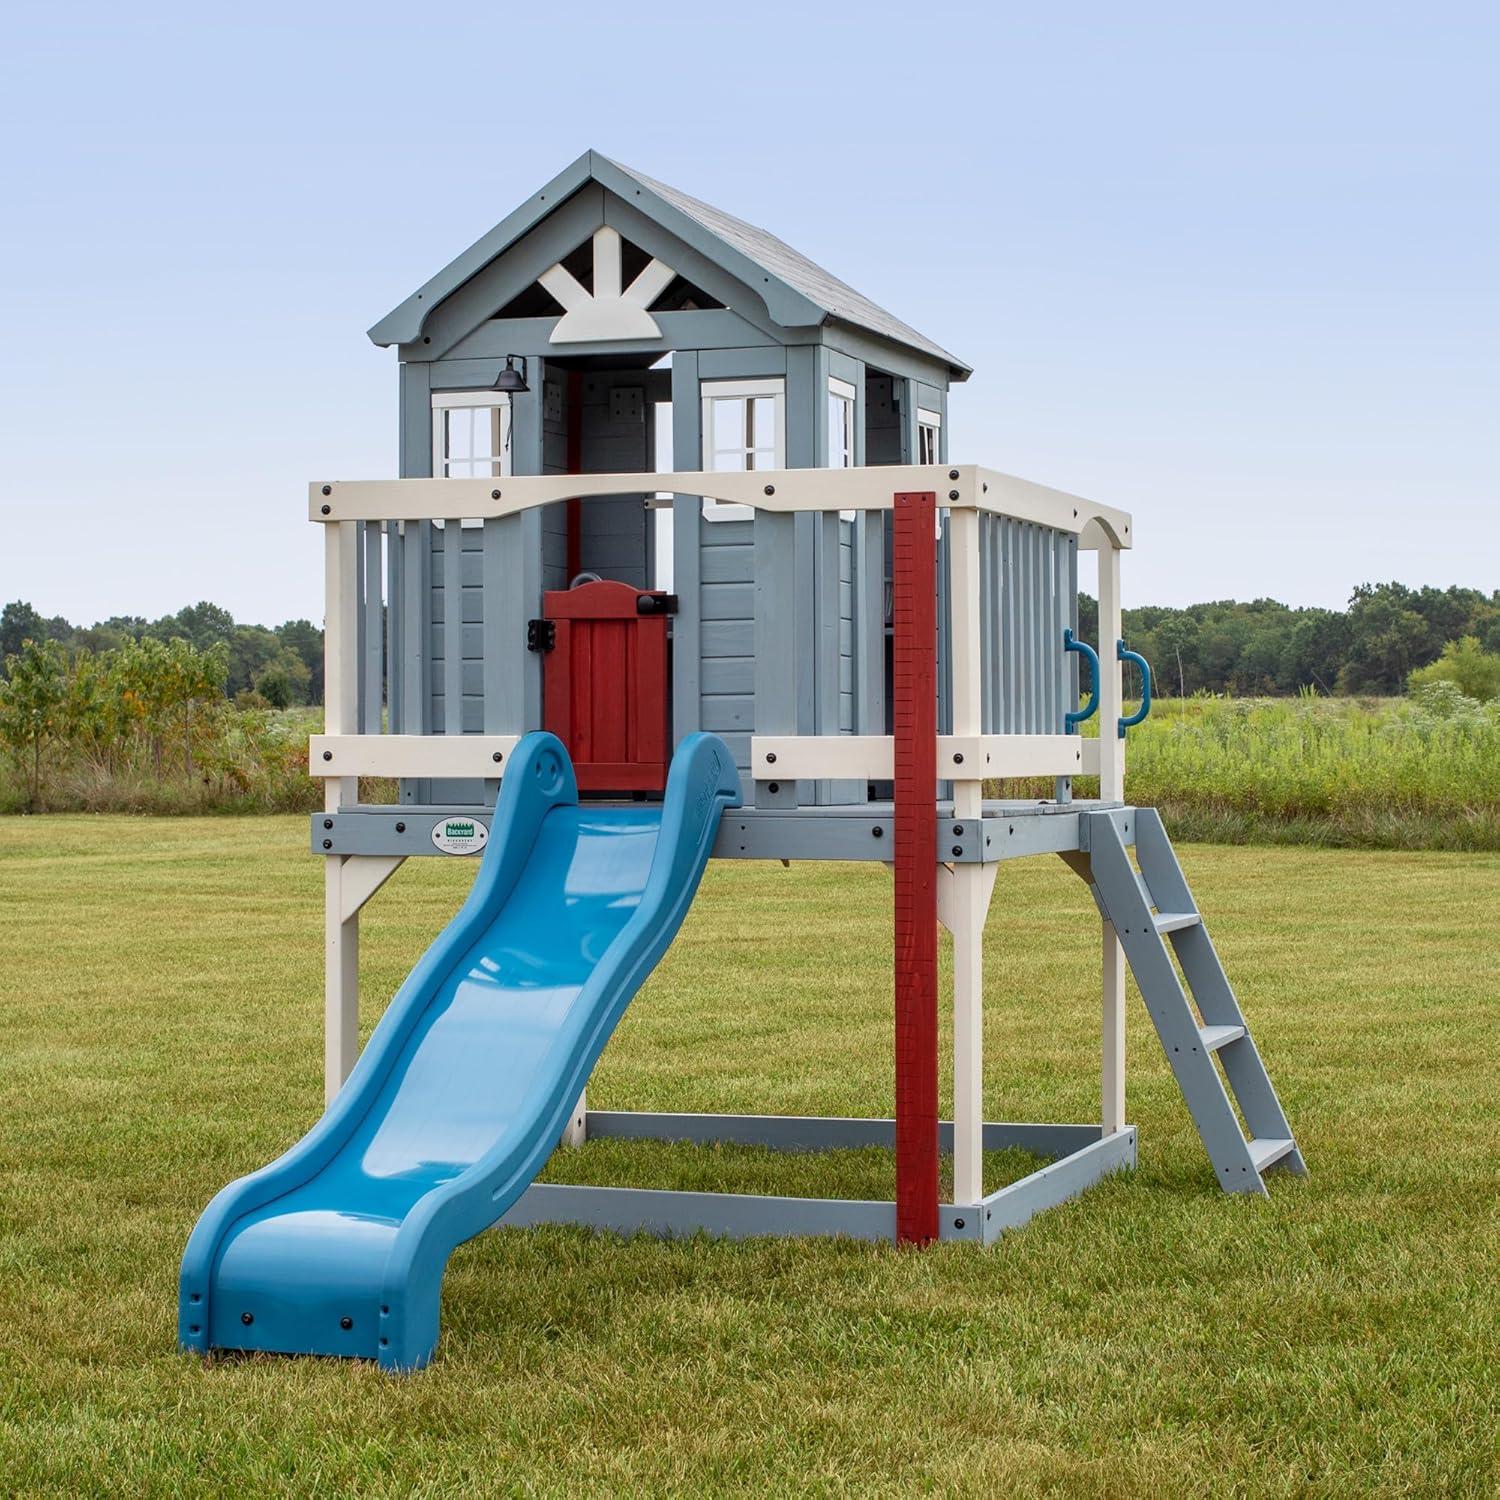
610 311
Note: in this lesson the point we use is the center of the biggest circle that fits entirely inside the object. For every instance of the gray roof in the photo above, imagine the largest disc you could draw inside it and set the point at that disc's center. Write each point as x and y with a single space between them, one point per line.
797 290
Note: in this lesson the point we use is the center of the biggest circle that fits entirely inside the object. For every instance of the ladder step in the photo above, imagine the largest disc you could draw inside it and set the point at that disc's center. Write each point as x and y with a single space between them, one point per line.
1270 1149
1215 1037
1175 921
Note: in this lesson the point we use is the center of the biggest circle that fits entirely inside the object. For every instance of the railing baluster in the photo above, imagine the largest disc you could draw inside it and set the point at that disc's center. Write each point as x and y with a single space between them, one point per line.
453 628
394 591
416 567
372 634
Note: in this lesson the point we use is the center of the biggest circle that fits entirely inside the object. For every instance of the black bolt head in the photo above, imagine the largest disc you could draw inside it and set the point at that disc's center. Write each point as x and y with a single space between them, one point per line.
400 827
497 757
957 850
952 473
327 489
877 832
771 758
328 822
770 489
958 759
347 1323
247 1319
775 786
328 755
494 494
958 1223
958 829
328 843
326 509
953 494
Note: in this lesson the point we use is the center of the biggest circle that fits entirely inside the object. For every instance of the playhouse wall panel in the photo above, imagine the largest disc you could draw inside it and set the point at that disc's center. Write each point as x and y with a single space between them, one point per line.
728 674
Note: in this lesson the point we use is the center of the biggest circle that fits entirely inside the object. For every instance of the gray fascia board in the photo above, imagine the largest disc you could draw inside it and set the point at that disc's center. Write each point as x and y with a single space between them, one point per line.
403 324
790 308
890 356
785 303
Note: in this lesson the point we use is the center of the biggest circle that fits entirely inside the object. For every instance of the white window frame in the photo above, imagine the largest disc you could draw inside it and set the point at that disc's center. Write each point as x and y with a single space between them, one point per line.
446 401
730 390
843 391
934 420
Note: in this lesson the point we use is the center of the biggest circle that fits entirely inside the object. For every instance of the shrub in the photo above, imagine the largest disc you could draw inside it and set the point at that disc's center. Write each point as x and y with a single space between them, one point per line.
1467 666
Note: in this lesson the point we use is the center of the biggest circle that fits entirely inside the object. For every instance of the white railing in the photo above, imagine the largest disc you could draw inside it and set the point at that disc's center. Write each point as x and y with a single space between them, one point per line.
967 755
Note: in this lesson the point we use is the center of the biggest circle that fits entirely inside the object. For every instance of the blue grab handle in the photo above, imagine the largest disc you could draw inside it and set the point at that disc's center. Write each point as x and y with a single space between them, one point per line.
1072 643
1121 654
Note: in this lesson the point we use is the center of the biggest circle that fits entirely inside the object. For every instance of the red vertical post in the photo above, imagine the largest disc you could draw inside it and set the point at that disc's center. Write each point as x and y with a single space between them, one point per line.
914 685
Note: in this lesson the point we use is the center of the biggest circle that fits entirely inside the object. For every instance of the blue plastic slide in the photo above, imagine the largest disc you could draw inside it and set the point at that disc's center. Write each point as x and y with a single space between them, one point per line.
464 1090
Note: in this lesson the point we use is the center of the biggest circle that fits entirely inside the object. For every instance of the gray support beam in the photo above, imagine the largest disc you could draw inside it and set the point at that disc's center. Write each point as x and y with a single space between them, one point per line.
1015 1204
522 550
855 831
778 661
824 1132
410 668
806 377
687 562
746 1216
734 1216
704 329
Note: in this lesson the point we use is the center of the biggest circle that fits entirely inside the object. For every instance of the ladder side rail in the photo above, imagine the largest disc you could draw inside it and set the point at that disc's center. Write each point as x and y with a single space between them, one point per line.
1176 1025
1209 981
1159 864
1241 1059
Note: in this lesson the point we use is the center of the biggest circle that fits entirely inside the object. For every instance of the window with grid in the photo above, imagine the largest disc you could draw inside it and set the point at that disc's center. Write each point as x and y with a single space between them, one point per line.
470 435
929 434
744 429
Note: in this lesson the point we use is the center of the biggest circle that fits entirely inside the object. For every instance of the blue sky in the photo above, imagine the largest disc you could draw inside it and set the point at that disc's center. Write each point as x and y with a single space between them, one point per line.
1234 269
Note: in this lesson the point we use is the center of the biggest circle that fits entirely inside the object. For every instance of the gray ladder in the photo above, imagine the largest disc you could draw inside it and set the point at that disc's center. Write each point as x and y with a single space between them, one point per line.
1148 911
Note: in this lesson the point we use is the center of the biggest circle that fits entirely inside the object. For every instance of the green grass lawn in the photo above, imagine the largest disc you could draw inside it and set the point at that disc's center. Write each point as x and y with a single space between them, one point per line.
160 1013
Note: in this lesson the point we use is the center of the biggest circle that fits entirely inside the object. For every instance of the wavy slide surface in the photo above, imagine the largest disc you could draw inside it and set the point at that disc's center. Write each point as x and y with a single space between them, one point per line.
339 1246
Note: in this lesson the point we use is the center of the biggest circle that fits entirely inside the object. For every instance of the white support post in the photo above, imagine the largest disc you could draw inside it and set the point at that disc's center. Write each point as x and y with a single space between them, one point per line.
1112 1033
1111 789
964 893
1111 685
340 981
970 885
575 1132
340 710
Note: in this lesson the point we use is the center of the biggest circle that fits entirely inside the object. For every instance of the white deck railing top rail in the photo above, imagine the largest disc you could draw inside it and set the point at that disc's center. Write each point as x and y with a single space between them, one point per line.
959 487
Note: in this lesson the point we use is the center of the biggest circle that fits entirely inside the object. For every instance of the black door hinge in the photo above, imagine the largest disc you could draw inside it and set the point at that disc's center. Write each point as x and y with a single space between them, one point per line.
541 635
656 604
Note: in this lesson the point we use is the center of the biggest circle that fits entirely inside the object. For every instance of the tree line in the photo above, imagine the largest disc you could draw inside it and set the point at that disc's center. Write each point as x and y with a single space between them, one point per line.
1264 648
276 666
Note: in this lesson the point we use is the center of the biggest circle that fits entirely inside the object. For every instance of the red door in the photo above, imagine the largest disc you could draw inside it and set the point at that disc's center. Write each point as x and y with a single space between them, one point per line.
604 684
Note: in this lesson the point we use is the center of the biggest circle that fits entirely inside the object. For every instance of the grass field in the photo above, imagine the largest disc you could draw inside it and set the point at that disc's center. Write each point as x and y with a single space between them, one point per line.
160 1012
1352 773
